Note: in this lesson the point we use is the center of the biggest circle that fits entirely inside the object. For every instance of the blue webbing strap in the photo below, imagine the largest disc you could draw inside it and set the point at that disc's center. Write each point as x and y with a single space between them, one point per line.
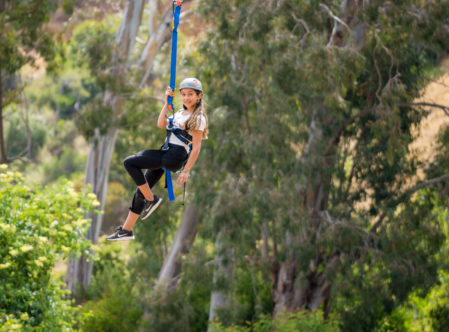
169 185
174 41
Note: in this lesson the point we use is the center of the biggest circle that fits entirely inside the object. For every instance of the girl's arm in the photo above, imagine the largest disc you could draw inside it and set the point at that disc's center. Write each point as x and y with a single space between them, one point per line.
197 137
162 120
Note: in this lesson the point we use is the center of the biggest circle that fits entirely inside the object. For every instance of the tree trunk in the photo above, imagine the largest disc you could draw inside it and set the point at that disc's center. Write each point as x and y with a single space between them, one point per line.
102 146
127 32
293 289
170 272
159 33
3 157
182 243
97 171
220 298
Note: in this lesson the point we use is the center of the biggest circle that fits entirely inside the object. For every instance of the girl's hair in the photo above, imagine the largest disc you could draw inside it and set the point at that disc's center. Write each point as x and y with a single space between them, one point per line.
195 120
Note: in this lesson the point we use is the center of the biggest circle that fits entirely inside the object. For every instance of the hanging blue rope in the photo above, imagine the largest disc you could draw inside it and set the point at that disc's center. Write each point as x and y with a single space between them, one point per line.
174 42
169 185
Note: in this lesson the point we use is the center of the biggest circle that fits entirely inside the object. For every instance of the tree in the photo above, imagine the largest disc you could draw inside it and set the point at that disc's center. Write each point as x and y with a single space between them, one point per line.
22 40
313 110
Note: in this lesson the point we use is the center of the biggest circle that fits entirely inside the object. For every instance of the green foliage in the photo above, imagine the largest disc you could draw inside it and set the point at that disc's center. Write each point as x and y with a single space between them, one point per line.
17 136
23 40
302 321
309 142
95 116
422 313
69 163
270 79
426 310
22 33
66 92
112 299
187 307
37 228
61 157
92 46
389 273
67 6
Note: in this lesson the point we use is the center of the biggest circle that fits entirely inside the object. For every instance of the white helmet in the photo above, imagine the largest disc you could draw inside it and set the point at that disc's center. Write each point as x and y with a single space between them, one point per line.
192 83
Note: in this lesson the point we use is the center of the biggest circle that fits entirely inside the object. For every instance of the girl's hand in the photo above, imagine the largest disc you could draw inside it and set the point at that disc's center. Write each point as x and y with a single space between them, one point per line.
183 177
168 92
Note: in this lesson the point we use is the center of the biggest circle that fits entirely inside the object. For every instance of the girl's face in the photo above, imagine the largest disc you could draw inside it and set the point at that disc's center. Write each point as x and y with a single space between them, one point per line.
189 97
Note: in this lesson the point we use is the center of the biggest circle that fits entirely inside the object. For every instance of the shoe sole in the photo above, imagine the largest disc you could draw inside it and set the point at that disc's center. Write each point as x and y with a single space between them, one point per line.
152 209
124 238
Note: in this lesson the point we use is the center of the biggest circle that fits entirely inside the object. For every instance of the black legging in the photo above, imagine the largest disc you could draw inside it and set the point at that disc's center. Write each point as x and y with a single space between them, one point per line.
152 160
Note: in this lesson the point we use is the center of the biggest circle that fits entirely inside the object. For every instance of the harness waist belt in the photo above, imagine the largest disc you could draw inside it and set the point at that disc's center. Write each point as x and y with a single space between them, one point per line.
181 134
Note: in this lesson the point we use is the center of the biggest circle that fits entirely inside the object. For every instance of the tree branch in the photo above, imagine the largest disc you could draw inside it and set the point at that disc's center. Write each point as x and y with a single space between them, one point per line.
444 108
3 156
348 121
304 24
336 18
337 33
408 193
427 183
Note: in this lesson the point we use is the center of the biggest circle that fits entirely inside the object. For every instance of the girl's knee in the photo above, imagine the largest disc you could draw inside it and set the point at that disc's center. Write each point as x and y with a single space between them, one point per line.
127 162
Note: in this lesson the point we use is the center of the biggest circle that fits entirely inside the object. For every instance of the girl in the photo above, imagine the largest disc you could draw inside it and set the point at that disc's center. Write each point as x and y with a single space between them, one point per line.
189 126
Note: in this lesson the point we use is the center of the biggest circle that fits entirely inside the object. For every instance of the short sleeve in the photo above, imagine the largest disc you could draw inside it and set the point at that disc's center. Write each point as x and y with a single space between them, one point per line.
202 123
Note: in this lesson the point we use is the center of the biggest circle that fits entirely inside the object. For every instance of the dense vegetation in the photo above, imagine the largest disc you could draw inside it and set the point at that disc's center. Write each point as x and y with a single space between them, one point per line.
39 227
313 212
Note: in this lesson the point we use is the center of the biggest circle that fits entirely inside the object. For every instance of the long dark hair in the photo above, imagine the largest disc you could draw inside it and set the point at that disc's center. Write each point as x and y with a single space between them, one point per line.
195 120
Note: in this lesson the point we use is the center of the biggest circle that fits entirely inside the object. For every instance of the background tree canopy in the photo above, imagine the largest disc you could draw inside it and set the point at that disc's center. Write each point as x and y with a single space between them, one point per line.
308 209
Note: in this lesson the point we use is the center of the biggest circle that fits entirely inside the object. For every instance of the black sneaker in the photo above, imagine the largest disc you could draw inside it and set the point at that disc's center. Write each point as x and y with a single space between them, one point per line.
149 207
121 235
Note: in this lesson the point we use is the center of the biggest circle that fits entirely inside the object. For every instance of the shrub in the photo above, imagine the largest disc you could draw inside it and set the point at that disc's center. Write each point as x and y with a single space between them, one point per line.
302 321
38 226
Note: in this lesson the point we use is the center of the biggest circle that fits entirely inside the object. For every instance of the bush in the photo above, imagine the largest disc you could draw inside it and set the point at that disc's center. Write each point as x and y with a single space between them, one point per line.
38 226
111 300
422 312
301 321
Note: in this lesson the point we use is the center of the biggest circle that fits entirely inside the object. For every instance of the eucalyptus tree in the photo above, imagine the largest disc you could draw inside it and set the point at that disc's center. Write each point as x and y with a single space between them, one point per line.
122 70
310 180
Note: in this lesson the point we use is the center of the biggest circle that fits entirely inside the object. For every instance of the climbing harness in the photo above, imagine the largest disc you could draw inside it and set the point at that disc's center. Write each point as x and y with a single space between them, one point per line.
181 134
184 137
